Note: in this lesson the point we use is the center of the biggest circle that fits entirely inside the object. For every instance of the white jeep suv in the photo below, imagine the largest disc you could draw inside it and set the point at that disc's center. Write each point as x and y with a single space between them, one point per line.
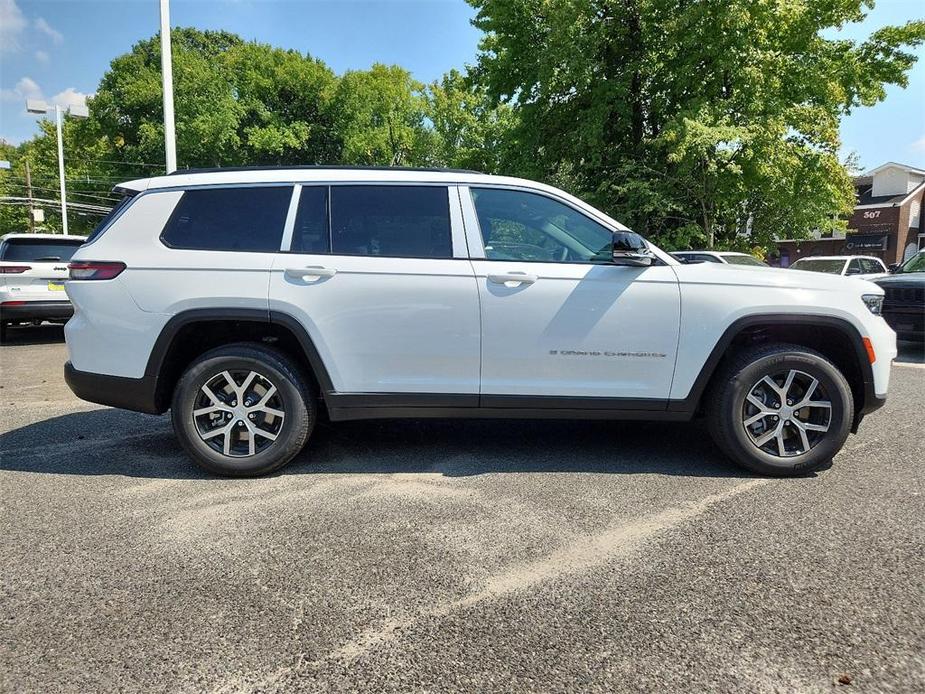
246 301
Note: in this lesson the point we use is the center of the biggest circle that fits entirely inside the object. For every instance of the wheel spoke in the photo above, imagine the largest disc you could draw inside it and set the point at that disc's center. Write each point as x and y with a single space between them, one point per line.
810 389
756 418
264 433
209 409
785 390
247 382
767 436
234 386
266 397
212 396
271 411
809 426
804 439
781 447
215 432
768 381
817 403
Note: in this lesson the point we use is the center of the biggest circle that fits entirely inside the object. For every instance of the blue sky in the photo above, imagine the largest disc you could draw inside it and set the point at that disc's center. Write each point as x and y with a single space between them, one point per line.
59 49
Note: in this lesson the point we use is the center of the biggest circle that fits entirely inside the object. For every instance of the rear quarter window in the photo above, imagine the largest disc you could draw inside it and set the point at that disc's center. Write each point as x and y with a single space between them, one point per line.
229 219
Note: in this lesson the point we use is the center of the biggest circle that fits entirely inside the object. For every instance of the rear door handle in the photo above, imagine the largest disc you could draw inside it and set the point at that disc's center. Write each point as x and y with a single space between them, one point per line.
310 273
512 279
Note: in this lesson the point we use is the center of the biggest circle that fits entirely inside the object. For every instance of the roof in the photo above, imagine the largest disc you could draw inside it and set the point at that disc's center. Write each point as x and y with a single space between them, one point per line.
893 164
326 167
837 257
346 175
55 237
317 174
714 252
865 199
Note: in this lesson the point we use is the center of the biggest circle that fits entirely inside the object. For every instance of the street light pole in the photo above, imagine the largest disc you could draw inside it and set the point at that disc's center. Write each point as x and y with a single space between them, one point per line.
77 111
61 169
170 137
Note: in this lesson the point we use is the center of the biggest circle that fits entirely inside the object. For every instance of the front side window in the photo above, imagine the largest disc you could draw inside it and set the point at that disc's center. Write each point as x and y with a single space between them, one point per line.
744 260
391 221
872 266
517 225
854 267
229 219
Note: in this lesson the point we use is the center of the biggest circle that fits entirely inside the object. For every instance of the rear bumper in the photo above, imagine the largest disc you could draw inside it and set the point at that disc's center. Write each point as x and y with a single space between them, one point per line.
115 391
36 310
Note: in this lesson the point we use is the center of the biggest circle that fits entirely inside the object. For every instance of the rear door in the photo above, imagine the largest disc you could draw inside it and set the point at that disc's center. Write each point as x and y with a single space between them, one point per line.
34 269
379 277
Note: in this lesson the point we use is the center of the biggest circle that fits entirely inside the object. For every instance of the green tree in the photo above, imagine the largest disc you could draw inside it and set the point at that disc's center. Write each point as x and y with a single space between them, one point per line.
709 122
380 116
470 131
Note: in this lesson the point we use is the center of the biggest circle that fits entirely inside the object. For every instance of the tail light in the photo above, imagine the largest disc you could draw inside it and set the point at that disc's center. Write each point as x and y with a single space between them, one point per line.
14 269
93 270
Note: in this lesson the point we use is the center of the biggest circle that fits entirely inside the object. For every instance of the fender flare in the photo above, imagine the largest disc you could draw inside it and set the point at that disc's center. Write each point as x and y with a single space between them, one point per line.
869 400
165 340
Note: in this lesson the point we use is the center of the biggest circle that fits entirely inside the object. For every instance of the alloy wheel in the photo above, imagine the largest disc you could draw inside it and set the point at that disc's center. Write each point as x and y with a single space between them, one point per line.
238 413
787 413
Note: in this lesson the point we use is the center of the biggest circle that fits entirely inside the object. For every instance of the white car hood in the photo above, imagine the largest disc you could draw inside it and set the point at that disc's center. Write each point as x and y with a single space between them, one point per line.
743 275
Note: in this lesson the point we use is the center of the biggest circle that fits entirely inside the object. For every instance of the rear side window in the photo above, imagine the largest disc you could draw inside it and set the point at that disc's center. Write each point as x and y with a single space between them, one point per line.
310 234
391 221
38 250
229 219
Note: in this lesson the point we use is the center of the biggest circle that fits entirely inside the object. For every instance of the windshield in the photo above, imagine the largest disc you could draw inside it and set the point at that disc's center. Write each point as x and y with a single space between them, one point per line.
915 264
833 267
743 260
38 250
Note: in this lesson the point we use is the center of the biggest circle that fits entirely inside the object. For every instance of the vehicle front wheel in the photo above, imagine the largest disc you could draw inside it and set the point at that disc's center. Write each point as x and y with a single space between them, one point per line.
780 410
242 410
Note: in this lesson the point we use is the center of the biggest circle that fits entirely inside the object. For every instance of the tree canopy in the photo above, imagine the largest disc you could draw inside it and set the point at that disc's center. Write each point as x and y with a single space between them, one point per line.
707 122
711 122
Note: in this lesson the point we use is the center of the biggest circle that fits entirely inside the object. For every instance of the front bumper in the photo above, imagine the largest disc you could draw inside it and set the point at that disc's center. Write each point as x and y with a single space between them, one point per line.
22 311
907 322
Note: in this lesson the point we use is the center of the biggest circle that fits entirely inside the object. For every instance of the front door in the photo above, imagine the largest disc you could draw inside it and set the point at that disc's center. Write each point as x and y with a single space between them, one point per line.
559 321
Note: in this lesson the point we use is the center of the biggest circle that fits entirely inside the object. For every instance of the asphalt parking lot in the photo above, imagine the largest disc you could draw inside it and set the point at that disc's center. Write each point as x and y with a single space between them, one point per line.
452 556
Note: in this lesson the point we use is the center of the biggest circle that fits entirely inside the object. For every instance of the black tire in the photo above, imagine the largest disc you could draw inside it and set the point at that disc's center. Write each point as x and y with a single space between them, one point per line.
728 410
293 396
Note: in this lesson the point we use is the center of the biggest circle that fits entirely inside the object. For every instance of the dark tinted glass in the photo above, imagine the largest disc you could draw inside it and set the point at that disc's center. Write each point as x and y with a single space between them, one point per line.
401 221
39 250
310 234
229 219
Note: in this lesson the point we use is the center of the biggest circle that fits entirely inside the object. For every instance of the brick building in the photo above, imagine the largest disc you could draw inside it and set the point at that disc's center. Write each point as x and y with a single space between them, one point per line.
886 222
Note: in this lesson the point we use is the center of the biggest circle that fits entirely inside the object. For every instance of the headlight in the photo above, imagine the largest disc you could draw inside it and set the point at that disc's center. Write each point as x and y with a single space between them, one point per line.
874 302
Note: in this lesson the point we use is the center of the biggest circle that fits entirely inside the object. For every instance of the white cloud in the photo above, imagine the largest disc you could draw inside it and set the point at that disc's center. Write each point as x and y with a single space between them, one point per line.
12 25
26 88
44 27
70 97
918 145
42 57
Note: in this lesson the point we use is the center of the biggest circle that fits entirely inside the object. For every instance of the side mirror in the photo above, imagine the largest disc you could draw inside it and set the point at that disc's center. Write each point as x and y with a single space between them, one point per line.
893 267
853 271
630 249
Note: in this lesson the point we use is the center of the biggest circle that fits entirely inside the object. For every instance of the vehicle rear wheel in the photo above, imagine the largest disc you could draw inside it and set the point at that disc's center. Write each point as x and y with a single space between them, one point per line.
780 410
242 410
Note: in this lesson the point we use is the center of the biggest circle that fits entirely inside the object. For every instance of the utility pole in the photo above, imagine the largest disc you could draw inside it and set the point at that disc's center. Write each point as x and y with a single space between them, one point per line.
61 169
170 136
29 194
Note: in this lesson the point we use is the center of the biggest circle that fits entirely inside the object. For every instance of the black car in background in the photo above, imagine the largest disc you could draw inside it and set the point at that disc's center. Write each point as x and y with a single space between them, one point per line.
904 303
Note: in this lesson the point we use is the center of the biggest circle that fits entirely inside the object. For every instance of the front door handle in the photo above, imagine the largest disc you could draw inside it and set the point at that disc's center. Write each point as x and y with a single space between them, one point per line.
512 279
310 273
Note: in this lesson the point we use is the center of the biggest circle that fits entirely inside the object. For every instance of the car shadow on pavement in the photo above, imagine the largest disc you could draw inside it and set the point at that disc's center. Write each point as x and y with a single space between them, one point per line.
44 334
116 442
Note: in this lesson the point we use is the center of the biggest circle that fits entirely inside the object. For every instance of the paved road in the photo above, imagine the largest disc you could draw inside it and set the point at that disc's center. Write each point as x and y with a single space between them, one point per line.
466 556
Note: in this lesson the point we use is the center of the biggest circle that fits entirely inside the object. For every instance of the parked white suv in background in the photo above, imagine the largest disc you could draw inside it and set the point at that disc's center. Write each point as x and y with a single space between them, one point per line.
33 268
245 301
864 267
